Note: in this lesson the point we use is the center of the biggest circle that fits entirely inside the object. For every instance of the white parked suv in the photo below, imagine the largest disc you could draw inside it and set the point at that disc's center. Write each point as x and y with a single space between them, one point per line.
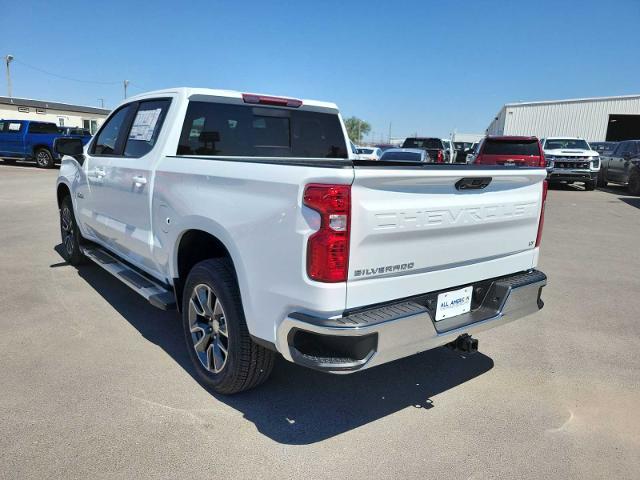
250 215
570 160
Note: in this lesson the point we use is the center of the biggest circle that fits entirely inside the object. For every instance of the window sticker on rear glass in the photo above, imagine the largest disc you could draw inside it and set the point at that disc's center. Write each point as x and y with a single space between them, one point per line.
144 125
14 127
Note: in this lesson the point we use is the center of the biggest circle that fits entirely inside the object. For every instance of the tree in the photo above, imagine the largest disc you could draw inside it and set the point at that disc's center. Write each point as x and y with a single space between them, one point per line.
356 128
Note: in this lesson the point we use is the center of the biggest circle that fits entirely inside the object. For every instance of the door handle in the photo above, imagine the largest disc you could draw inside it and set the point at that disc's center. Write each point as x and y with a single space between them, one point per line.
97 174
139 180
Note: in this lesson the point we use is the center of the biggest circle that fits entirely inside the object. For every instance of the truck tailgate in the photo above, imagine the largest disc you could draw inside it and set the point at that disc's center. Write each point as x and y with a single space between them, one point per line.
413 231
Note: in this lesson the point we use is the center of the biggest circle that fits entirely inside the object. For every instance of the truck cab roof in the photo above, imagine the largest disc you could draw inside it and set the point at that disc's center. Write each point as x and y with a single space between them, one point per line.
233 96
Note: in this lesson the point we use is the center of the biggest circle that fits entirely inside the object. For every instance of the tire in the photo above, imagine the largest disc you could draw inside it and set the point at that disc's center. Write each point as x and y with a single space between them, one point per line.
70 234
44 159
634 182
213 320
602 179
589 186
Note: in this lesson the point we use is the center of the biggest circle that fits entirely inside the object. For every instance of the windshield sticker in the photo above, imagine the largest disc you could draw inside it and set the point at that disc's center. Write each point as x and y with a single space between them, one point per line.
144 125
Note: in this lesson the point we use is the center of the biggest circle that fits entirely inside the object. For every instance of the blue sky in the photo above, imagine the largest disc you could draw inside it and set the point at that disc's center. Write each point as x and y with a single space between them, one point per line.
424 66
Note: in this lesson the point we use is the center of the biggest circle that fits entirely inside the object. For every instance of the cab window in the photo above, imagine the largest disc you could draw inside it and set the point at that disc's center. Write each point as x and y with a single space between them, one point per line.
146 127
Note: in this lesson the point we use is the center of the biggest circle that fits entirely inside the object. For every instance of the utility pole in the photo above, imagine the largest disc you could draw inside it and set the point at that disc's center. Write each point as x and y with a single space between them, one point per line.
359 126
389 137
126 84
8 59
101 100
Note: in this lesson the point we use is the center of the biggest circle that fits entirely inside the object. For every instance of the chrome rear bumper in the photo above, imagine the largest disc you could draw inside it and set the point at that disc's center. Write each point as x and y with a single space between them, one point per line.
373 336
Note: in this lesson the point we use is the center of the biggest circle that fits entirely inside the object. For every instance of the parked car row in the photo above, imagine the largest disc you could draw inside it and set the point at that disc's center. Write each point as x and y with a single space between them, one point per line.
33 140
414 149
567 159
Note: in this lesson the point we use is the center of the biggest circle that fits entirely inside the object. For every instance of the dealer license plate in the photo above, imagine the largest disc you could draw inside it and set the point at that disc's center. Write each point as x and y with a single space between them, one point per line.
455 302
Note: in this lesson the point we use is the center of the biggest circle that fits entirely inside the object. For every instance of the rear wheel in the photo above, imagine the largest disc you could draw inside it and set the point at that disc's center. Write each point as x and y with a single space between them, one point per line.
44 159
215 330
70 234
634 182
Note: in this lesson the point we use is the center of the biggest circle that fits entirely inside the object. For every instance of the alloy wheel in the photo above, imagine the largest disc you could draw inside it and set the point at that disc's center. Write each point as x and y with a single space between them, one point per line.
42 158
68 232
208 328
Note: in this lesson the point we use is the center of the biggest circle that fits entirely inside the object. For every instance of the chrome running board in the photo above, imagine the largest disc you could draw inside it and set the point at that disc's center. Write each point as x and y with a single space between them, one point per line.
155 293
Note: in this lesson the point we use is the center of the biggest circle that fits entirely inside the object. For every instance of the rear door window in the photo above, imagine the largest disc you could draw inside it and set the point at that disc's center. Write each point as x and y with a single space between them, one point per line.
510 147
43 128
146 127
623 147
218 129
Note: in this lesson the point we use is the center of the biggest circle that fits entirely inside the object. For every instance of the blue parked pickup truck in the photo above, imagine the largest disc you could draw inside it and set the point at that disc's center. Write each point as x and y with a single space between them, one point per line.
30 140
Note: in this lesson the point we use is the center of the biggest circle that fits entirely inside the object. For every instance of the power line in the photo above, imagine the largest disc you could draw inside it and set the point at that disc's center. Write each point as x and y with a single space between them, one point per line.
63 76
94 82
135 85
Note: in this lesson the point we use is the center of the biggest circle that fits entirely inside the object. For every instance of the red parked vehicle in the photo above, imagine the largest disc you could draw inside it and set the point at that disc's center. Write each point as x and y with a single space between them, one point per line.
517 151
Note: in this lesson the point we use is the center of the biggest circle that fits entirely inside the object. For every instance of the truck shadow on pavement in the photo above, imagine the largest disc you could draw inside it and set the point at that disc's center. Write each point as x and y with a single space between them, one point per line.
298 406
634 202
623 194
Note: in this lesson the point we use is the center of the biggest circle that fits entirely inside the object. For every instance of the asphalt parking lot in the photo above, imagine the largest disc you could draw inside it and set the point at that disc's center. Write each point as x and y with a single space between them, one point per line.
96 383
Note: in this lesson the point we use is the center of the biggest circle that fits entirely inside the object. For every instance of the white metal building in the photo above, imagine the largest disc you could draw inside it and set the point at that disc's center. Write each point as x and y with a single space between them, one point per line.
62 114
595 119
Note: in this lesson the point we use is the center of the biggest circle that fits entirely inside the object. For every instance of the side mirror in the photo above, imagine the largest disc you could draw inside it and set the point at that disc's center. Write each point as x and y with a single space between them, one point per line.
69 146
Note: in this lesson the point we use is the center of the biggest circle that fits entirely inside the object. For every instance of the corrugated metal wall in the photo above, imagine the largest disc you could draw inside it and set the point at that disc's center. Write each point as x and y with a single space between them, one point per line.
582 118
497 125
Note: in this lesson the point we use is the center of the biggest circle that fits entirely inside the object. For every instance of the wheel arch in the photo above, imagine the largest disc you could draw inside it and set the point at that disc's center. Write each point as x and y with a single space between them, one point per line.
62 190
38 146
192 246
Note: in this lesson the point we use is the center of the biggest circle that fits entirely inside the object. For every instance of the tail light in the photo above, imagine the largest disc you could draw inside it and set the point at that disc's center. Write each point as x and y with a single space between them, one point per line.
543 161
440 156
328 248
545 187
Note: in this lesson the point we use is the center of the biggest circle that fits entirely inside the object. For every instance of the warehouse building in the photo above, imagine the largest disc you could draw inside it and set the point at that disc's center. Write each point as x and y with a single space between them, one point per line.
594 119
62 114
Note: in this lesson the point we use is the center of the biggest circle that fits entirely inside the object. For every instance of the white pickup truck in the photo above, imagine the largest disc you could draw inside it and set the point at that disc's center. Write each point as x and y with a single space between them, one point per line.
571 160
249 215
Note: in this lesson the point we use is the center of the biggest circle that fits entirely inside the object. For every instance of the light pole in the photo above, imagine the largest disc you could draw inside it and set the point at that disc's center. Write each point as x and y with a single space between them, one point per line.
101 100
8 59
126 84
